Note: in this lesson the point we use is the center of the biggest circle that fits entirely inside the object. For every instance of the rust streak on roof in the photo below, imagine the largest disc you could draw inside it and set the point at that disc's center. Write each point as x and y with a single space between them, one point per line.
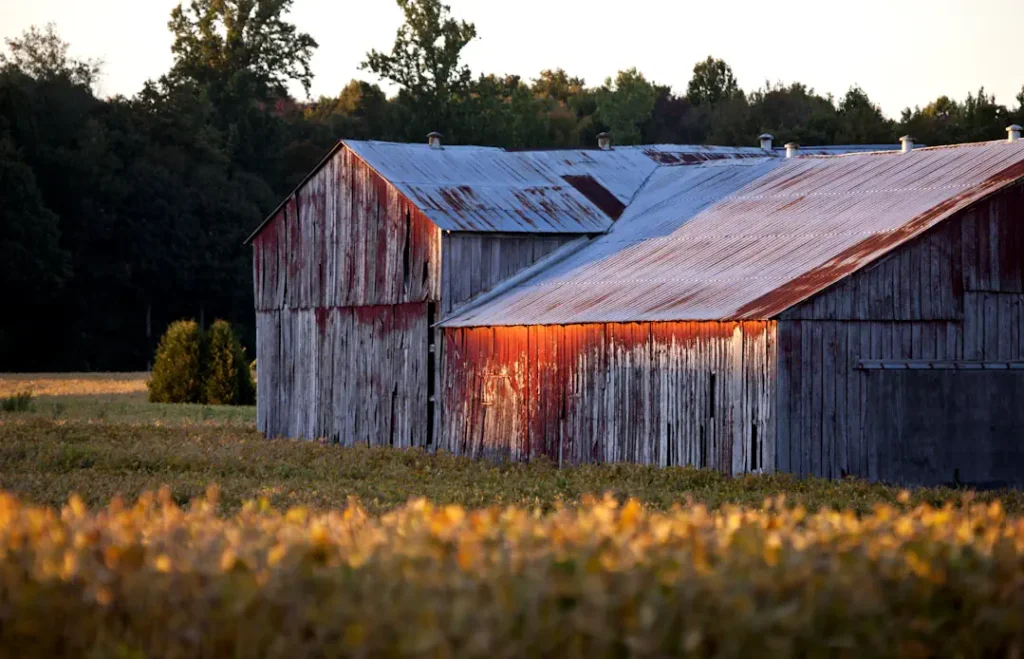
864 252
746 239
596 193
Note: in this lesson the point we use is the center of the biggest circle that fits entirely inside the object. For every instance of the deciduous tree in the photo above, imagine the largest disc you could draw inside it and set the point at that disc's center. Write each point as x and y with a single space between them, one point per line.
426 62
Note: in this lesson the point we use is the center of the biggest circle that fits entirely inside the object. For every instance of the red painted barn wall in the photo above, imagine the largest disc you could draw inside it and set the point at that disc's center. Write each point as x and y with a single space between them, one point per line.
654 393
348 238
344 277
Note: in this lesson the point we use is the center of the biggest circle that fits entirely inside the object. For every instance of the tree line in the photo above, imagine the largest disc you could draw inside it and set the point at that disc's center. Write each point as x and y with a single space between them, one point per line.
123 214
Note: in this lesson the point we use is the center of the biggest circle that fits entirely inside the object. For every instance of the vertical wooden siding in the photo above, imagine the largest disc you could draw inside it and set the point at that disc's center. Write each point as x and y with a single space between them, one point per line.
476 262
955 293
344 276
347 239
655 393
356 375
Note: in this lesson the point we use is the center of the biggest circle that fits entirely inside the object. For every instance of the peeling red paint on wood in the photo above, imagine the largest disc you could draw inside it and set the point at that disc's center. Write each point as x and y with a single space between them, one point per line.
639 392
344 241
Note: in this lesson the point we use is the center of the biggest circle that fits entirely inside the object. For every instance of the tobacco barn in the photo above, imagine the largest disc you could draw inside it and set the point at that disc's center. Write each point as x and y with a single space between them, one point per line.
842 311
380 241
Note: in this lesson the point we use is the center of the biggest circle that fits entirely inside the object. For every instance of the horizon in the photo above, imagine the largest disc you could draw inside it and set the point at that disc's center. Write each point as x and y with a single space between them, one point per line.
924 74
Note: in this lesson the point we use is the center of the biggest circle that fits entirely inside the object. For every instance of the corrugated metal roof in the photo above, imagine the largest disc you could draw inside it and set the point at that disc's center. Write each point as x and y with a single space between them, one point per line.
465 188
476 188
748 239
482 189
841 149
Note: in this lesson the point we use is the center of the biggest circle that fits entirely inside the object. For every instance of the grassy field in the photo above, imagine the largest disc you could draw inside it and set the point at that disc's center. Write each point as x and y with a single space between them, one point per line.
280 548
111 398
99 437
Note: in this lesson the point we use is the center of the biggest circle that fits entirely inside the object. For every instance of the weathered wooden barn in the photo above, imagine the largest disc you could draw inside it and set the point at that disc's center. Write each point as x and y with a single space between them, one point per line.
349 280
822 314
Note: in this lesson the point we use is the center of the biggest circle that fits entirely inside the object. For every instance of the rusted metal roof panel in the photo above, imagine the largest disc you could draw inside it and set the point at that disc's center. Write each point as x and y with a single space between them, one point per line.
748 239
483 189
841 149
465 188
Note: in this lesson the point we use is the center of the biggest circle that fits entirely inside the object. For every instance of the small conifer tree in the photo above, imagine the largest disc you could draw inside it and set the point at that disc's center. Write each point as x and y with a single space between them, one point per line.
177 371
228 380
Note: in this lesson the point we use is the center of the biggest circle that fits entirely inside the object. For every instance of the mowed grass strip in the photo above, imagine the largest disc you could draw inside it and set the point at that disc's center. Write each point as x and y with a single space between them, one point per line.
73 384
45 461
110 397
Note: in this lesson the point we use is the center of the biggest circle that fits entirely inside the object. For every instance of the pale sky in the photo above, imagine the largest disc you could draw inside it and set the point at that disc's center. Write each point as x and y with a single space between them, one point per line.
902 52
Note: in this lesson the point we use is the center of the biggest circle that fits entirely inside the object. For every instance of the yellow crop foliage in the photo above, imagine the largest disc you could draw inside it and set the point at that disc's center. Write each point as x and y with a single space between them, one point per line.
602 579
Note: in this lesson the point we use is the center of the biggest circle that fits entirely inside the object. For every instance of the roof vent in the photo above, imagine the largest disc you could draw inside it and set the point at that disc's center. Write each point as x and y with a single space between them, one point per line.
1013 133
604 141
791 149
766 142
434 140
907 143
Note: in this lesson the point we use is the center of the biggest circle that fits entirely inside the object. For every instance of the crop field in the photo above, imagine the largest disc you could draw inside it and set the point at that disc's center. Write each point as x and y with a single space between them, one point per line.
178 531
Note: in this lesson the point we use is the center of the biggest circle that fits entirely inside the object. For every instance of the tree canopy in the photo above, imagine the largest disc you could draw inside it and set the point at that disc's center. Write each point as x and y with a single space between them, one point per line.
122 215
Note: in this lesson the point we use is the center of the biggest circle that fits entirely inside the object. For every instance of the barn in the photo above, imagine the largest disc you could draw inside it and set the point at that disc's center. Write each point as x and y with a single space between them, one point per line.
837 312
380 241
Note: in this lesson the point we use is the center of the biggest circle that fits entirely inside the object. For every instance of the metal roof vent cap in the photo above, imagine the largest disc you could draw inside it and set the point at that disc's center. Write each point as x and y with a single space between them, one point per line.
766 142
1013 133
604 141
434 140
791 149
907 143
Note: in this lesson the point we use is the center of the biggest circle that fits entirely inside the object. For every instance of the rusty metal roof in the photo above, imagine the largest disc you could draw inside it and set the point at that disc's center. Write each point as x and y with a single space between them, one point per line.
482 189
841 149
475 188
466 188
748 239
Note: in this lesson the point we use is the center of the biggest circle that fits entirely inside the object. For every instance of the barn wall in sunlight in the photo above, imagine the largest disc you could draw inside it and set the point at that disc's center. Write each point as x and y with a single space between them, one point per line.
686 393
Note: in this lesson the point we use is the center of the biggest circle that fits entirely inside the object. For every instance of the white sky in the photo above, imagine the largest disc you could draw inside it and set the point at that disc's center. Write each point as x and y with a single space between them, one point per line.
902 52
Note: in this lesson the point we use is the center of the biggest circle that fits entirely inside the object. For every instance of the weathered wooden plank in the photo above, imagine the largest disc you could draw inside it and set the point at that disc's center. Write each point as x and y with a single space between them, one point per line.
970 252
785 388
828 373
809 362
990 319
817 402
768 396
475 262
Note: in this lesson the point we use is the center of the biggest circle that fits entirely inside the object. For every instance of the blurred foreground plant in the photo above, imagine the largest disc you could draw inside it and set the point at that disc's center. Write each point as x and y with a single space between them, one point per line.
600 579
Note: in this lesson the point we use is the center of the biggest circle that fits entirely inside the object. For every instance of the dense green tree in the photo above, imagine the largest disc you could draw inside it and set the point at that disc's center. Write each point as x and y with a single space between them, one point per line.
712 82
792 113
674 120
243 54
425 61
33 267
42 55
558 86
502 111
936 123
233 46
625 104
861 121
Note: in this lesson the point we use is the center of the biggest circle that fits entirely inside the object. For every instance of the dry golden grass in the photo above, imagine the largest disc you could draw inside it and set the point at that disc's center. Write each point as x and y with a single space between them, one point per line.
73 384
109 398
